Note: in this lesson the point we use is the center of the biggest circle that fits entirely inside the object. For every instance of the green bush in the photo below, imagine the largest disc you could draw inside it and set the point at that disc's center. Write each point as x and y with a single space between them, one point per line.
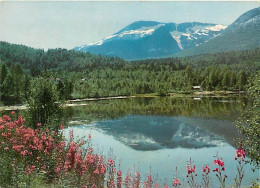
249 125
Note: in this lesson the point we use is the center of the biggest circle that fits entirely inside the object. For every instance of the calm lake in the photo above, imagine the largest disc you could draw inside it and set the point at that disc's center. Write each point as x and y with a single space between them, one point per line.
163 133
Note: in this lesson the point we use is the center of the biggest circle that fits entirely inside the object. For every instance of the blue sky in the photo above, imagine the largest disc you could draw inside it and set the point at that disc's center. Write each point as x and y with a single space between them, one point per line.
52 24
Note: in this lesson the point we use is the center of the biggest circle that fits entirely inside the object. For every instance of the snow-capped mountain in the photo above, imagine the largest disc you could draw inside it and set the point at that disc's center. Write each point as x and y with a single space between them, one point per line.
242 34
148 39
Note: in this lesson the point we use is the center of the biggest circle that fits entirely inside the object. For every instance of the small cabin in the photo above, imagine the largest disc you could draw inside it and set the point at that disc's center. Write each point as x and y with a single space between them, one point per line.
197 88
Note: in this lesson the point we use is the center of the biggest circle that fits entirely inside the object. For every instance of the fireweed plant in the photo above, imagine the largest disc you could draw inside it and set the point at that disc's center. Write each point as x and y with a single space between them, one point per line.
176 182
205 176
43 158
220 170
191 174
40 151
132 180
240 158
149 181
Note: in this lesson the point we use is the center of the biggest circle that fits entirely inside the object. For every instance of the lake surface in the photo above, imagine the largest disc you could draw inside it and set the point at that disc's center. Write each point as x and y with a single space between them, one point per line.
163 133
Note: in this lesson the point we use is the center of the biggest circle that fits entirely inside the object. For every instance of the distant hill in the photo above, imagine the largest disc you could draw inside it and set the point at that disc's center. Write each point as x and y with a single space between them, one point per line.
149 39
63 59
52 59
242 34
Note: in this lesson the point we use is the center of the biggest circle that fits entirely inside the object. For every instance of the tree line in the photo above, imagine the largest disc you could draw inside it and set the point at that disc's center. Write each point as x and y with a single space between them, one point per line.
80 75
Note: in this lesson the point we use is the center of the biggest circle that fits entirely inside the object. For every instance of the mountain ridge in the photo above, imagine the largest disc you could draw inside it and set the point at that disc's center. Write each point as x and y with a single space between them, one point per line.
150 39
242 34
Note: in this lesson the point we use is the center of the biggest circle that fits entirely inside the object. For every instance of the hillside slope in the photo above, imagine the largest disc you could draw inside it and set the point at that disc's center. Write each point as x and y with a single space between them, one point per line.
242 34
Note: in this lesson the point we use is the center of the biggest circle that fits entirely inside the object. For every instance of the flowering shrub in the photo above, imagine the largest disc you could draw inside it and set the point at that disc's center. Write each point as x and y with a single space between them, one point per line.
32 157
39 150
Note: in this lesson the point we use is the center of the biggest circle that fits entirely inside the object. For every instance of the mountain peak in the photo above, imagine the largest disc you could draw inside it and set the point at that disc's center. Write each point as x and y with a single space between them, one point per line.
139 24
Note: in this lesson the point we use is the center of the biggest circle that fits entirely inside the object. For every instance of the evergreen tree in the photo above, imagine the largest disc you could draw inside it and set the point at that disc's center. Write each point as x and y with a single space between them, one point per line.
17 73
43 105
61 89
8 89
4 72
26 89
226 80
241 80
68 89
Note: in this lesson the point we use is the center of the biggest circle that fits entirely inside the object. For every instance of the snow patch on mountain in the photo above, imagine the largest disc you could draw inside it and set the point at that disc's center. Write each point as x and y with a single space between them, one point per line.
200 33
140 33
187 35
177 35
81 47
177 38
216 28
196 34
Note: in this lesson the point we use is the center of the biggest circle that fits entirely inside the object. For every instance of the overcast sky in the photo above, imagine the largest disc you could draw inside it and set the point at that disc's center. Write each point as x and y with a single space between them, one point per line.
49 24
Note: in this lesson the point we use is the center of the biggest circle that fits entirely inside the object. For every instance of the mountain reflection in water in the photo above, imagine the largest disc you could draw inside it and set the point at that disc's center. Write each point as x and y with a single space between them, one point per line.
157 132
163 133
151 123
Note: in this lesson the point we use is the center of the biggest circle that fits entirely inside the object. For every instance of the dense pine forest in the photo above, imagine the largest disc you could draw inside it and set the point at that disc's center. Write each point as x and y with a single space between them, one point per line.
81 75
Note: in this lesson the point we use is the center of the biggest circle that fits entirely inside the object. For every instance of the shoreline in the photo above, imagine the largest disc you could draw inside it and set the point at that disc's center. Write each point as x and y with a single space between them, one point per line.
195 95
66 104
